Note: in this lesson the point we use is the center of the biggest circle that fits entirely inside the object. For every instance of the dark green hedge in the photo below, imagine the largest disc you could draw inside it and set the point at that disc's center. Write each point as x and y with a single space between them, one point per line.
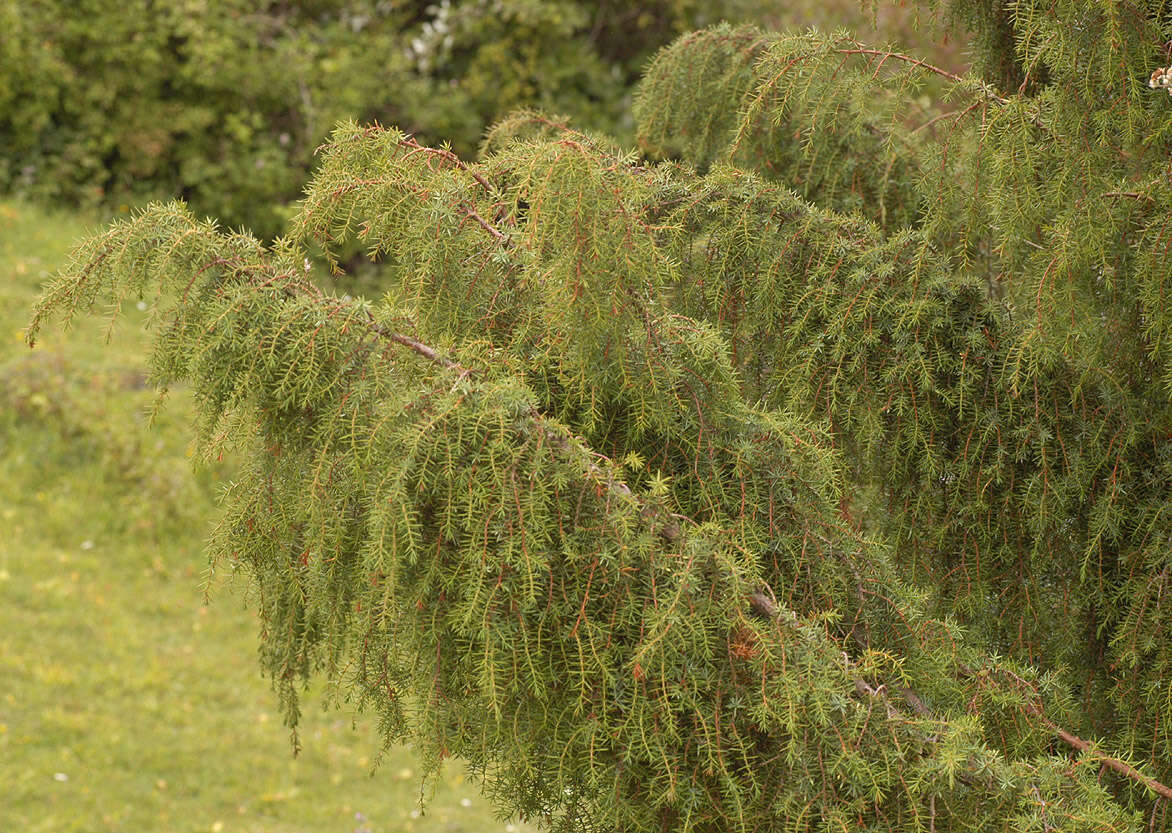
222 102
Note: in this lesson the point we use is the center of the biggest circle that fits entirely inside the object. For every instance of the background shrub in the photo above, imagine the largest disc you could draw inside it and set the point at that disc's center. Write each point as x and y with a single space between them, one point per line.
222 102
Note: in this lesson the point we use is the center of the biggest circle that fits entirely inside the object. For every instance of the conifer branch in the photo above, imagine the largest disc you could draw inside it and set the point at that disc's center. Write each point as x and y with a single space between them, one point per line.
429 353
450 157
500 236
1033 708
1122 767
883 55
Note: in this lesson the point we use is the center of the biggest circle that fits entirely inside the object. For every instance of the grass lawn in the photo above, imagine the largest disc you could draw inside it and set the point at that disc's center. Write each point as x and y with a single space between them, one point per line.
126 704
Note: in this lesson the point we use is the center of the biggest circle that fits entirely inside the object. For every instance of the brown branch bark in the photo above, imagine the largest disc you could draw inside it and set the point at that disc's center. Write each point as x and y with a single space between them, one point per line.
500 236
1034 710
420 348
763 605
1135 195
1122 767
450 157
857 48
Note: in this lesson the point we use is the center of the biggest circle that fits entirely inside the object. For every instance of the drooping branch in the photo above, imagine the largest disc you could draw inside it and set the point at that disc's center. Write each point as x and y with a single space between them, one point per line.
884 55
857 48
1033 709
1122 767
409 142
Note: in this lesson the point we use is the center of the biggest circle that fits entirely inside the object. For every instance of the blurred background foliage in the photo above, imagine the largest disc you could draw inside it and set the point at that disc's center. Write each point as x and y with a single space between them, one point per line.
108 103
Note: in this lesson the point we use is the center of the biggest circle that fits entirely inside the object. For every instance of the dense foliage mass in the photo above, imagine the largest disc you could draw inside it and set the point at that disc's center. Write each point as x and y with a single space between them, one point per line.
999 368
222 102
675 499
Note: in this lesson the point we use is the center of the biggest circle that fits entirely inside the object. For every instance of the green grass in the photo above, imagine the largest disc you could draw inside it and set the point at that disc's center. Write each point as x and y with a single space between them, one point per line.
126 704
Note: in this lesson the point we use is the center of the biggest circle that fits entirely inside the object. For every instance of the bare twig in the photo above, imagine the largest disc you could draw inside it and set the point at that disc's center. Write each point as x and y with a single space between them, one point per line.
937 118
450 157
500 236
1122 767
1135 195
857 48
1034 710
429 353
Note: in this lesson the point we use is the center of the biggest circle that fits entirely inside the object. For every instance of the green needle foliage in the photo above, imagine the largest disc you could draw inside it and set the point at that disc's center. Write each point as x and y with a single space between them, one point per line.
671 498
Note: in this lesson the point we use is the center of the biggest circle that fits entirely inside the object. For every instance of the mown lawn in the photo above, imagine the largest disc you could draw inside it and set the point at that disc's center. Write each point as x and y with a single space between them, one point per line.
126 704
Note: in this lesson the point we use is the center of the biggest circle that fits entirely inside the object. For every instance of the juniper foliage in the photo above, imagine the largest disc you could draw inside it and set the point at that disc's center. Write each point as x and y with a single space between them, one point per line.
674 499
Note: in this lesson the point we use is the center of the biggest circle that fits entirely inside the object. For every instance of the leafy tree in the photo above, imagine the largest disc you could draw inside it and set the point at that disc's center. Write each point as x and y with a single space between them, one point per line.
671 498
221 102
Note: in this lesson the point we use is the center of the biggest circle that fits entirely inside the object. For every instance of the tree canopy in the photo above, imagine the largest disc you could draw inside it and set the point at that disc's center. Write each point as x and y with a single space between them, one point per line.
806 469
114 102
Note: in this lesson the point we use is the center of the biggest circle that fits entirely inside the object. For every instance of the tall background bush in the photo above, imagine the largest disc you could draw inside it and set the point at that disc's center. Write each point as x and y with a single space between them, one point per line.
222 102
